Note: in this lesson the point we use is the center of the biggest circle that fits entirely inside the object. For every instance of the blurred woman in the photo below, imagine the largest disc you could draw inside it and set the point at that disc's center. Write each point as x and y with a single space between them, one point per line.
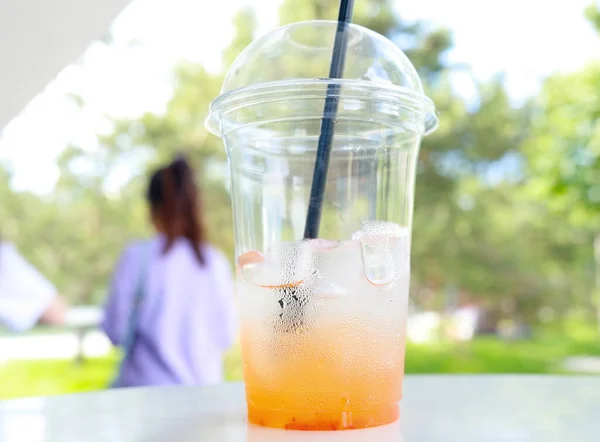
171 302
27 298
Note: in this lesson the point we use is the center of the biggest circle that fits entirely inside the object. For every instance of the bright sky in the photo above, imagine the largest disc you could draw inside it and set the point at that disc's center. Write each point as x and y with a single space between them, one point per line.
527 39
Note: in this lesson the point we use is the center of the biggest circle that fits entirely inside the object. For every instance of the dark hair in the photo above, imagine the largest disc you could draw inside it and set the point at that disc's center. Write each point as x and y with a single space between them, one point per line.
174 199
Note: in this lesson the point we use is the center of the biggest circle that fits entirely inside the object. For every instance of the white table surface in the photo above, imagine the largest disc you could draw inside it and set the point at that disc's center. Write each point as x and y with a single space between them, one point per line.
434 408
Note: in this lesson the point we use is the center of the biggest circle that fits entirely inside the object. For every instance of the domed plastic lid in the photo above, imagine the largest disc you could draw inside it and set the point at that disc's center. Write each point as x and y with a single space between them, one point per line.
293 63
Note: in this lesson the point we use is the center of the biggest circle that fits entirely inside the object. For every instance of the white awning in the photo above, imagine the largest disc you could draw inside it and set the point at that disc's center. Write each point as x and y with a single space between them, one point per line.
38 38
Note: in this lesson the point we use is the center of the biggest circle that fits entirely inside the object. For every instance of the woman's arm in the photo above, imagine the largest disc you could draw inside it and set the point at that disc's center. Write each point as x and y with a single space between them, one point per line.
26 296
119 298
55 313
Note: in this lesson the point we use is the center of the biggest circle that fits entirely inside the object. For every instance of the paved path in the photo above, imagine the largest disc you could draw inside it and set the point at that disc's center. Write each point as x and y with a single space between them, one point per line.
52 346
582 364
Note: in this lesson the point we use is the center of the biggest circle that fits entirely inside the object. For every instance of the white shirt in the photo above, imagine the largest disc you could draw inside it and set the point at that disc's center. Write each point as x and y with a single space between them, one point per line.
24 292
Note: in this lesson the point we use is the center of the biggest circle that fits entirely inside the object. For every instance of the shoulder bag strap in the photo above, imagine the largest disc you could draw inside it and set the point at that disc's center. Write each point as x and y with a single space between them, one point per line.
131 330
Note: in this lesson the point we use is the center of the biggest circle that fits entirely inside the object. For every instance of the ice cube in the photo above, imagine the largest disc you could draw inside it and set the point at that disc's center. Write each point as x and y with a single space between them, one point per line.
293 261
323 245
250 258
256 269
285 263
385 251
381 228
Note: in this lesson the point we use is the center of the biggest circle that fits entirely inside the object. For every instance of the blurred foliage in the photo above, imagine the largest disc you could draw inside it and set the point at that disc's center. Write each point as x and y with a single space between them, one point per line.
507 197
562 167
592 13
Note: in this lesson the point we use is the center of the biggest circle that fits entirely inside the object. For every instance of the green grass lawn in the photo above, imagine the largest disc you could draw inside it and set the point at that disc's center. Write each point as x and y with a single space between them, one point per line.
40 378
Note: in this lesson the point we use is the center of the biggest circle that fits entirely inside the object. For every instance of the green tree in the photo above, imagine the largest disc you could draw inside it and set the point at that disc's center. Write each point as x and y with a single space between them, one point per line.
592 13
564 157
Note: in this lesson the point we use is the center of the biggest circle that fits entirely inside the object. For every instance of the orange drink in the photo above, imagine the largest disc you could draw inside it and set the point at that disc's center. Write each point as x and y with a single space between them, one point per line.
334 358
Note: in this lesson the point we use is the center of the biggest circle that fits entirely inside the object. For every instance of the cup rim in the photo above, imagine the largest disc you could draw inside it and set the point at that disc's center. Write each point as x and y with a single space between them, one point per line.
307 88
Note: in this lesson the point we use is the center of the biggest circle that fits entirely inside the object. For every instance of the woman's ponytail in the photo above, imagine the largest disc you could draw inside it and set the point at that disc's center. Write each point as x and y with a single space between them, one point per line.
176 199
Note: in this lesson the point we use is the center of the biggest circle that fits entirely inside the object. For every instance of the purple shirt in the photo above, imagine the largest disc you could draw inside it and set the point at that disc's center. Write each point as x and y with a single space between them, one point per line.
186 320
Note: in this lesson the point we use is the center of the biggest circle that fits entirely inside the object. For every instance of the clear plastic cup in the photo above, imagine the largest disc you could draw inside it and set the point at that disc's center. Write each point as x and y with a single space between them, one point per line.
323 321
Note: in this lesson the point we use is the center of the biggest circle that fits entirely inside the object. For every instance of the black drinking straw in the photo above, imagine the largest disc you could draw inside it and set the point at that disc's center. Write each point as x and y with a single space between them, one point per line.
317 190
